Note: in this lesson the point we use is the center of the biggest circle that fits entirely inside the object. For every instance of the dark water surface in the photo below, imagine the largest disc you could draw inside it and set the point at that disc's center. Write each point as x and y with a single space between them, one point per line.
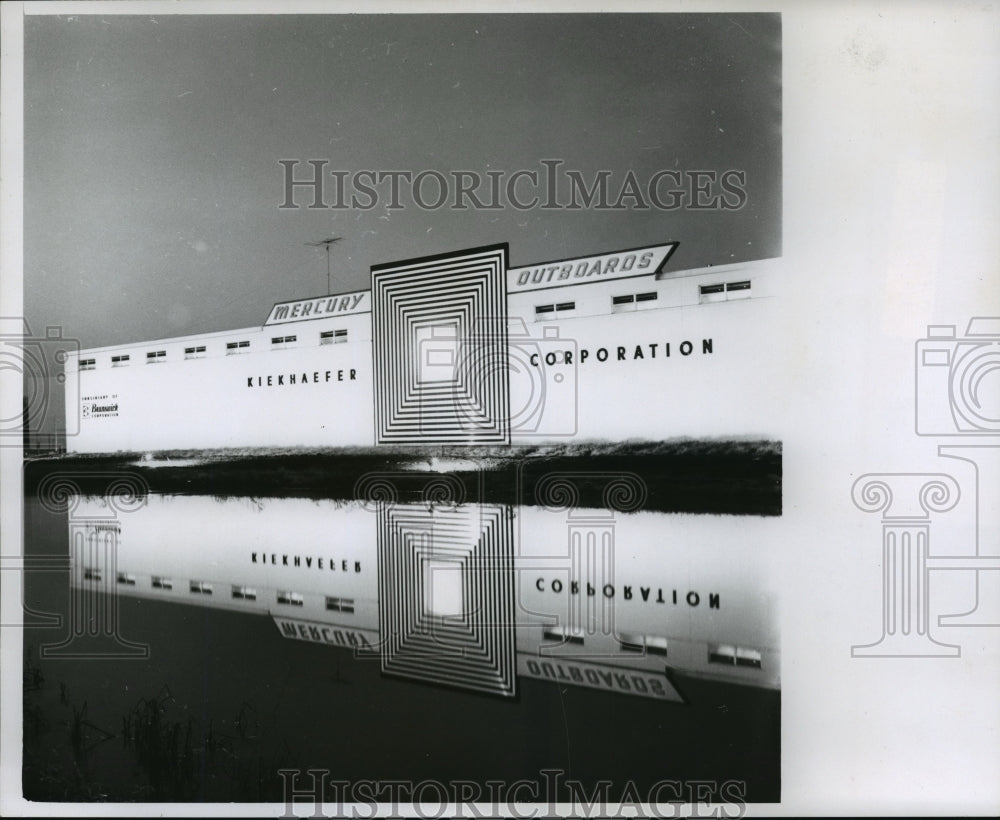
738 477
223 702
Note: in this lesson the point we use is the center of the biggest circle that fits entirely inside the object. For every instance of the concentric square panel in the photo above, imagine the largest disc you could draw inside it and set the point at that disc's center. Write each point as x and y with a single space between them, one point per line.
440 345
446 596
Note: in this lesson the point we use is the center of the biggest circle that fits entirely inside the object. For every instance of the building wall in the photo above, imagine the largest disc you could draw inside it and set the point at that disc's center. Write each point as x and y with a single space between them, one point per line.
681 368
624 568
229 398
684 364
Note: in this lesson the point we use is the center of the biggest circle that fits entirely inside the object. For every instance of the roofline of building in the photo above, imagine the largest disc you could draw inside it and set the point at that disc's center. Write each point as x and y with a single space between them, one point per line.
659 275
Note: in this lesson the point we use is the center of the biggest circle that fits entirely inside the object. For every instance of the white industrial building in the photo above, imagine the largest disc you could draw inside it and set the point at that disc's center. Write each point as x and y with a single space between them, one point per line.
455 349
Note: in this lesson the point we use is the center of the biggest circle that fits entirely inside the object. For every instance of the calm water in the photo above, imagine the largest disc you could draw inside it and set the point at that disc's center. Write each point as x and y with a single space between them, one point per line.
224 700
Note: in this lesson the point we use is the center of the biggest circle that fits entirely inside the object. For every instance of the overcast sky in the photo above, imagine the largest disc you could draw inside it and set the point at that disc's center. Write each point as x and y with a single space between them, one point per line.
152 148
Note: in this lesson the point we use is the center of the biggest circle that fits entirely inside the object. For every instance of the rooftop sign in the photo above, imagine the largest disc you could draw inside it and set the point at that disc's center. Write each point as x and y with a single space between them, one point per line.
619 265
320 307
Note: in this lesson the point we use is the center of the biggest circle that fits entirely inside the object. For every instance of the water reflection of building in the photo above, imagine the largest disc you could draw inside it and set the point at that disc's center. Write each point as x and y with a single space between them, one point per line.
471 595
456 349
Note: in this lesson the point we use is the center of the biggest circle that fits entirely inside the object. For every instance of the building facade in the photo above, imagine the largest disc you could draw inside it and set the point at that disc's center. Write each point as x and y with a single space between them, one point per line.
455 349
474 596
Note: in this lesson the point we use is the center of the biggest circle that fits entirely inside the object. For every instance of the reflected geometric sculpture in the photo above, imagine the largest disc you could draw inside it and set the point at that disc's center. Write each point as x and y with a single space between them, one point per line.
438 636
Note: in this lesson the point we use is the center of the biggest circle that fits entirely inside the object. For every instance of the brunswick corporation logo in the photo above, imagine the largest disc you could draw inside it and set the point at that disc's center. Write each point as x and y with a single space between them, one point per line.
99 406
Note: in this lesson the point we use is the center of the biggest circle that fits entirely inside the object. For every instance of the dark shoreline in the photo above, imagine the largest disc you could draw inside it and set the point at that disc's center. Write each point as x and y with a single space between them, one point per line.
734 477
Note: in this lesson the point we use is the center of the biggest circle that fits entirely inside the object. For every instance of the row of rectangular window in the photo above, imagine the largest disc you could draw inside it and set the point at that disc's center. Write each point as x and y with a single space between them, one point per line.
631 298
200 351
652 644
243 593
647 644
648 296
565 634
727 287
724 654
328 337
625 299
730 655
336 336
556 307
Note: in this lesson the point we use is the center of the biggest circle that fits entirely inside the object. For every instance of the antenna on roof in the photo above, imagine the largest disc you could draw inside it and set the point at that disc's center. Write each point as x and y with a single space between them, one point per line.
326 243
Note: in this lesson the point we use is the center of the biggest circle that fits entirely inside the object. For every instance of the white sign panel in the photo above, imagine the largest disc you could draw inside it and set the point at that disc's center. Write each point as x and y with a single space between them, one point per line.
620 265
321 307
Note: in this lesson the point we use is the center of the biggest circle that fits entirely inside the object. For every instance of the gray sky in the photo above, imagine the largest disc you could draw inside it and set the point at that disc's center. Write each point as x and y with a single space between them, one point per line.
152 144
